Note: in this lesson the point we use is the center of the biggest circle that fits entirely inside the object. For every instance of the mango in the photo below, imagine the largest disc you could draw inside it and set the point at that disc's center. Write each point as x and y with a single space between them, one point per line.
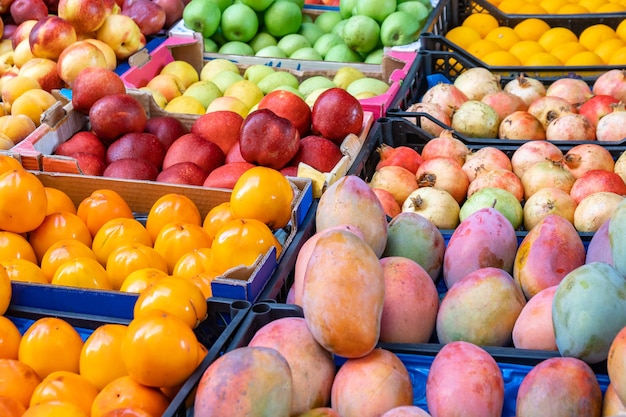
485 238
611 404
588 311
481 308
599 248
343 294
533 327
549 251
616 364
617 231
406 411
564 386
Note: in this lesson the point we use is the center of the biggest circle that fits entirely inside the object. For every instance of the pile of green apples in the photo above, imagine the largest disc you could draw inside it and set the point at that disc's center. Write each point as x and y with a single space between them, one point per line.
357 31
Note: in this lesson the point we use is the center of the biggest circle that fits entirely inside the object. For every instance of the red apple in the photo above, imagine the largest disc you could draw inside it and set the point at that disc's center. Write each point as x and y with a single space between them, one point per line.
234 154
139 145
23 10
173 10
166 128
76 57
220 127
290 106
84 142
290 171
227 175
22 31
85 15
116 114
149 16
318 152
182 173
89 163
335 114
268 139
597 106
43 70
132 169
194 148
92 84
50 36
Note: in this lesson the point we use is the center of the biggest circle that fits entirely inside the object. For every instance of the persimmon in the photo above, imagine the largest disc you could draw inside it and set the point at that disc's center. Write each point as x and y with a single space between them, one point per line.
100 207
126 392
175 239
130 257
139 280
117 232
11 407
23 201
17 380
24 271
100 359
10 337
55 409
6 290
83 273
14 245
169 208
65 386
8 163
193 262
216 218
58 200
56 226
61 251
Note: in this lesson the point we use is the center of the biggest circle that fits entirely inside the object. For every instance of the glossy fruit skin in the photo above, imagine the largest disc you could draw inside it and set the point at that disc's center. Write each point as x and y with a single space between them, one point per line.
101 356
126 392
23 201
17 380
82 272
177 238
335 114
264 194
130 257
65 386
10 337
102 206
241 242
168 208
15 245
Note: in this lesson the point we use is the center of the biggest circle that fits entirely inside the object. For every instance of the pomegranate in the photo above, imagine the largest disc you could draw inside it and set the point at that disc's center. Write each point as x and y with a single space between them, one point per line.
595 209
504 103
596 180
611 83
403 156
477 82
521 125
532 152
498 178
389 203
484 160
612 127
620 166
597 107
399 181
431 127
548 200
571 126
436 205
584 157
476 120
527 88
445 174
574 90
445 145
447 96
548 108
546 174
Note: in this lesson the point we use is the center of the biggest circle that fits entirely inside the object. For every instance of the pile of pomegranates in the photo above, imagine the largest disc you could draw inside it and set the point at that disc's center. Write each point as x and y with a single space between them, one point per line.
479 104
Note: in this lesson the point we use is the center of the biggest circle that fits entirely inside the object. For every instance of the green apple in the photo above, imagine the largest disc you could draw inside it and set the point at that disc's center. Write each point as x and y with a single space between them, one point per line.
306 54
345 75
290 89
347 7
224 79
376 9
222 3
236 48
342 53
367 85
202 16
415 8
258 5
338 29
282 18
399 28
215 66
218 37
361 33
300 3
310 31
271 51
312 97
261 40
257 72
239 22
306 18
209 45
203 91
327 41
313 83
327 20
375 57
277 79
292 42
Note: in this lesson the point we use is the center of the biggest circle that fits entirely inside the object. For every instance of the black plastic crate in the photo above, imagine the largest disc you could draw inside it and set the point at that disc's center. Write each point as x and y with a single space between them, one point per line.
514 363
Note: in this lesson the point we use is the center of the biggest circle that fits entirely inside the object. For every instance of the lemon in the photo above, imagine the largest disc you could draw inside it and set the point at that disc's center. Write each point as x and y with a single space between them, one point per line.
346 75
594 35
531 29
482 22
463 36
185 104
555 37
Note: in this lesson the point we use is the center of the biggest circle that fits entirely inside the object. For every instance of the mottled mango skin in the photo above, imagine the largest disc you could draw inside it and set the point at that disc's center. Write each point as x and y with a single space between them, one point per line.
533 328
549 251
464 380
344 293
564 386
481 308
312 366
484 239
320 412
611 404
616 364
350 200
617 237
247 381
371 385
588 311
599 248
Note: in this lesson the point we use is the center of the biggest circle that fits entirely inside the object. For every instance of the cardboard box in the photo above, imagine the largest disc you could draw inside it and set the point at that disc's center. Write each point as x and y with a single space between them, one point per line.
242 283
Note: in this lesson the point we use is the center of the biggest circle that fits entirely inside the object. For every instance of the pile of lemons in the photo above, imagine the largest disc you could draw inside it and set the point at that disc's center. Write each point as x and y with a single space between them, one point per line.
532 42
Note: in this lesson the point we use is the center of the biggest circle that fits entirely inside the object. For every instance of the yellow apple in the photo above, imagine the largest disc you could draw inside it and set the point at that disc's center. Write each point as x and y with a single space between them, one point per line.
185 105
33 103
85 15
229 103
76 57
122 34
43 70
169 85
215 66
203 91
16 126
183 70
158 97
246 91
50 35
